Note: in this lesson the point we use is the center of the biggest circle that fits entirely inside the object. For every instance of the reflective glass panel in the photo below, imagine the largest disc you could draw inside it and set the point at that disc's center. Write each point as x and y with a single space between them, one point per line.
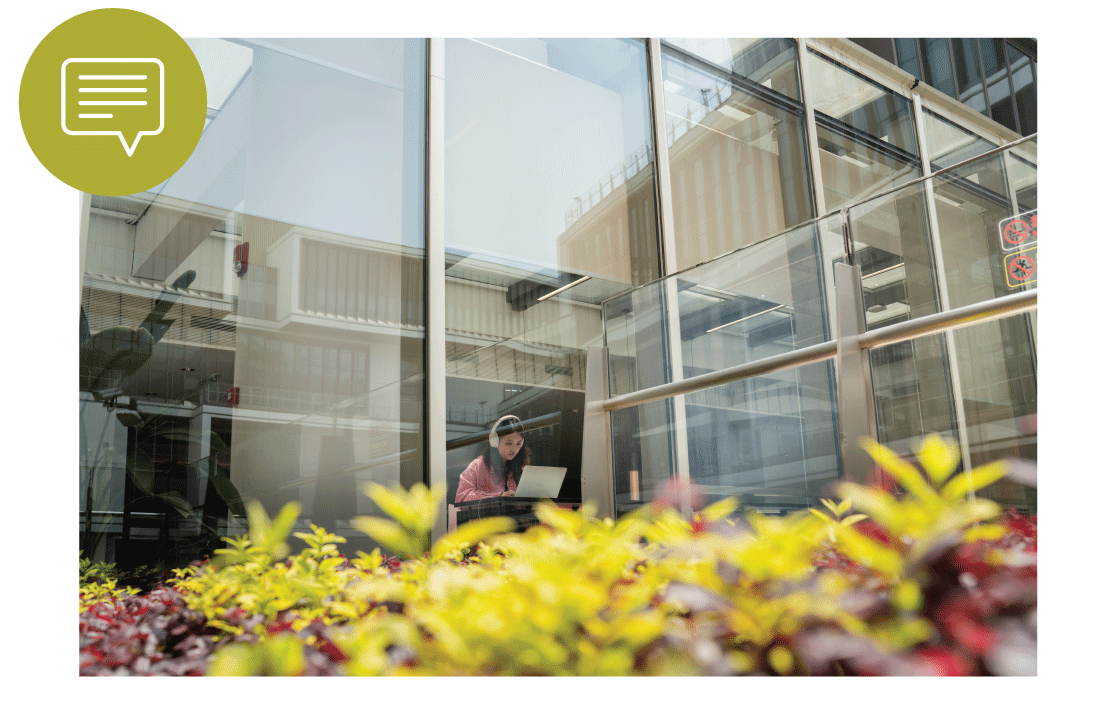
863 106
997 82
1024 86
892 246
278 275
971 87
772 435
948 143
549 210
997 379
937 58
737 161
770 62
912 393
907 56
865 134
979 231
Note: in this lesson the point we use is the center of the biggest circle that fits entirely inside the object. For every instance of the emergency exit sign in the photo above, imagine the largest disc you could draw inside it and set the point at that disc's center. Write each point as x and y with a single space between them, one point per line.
1018 232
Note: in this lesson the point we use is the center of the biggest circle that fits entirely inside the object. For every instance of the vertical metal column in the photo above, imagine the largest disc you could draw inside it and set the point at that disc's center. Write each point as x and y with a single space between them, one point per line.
669 264
596 464
811 135
436 430
852 371
941 280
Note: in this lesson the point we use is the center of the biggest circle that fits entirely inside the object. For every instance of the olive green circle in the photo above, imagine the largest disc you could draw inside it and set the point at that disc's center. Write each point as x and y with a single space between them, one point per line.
100 164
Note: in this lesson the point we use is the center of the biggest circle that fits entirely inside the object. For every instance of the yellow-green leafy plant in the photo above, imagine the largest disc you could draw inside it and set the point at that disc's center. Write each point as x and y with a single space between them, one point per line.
725 592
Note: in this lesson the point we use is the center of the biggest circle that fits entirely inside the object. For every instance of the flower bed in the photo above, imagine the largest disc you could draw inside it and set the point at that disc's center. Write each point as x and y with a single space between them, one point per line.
932 582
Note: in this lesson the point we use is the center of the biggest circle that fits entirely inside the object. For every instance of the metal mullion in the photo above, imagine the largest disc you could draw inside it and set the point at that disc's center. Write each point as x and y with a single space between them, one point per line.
667 232
812 136
954 73
436 429
1012 85
941 282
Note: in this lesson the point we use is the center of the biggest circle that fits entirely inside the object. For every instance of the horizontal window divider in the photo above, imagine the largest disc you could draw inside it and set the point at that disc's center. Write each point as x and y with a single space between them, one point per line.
866 139
738 81
1000 307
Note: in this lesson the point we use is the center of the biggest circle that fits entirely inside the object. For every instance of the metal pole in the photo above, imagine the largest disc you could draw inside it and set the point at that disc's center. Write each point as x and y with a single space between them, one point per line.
852 372
596 466
669 263
436 429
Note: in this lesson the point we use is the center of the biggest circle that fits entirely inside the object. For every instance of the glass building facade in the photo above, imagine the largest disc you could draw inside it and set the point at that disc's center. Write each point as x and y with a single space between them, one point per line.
382 246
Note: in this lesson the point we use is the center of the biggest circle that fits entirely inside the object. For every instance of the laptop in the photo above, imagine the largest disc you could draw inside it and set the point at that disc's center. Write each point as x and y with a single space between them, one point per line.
541 482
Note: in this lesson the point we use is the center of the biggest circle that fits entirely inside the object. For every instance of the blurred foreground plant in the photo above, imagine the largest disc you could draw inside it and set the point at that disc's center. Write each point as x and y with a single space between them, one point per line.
936 582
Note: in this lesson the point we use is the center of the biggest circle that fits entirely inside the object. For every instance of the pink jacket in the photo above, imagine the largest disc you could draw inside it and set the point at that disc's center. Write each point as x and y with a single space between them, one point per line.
478 482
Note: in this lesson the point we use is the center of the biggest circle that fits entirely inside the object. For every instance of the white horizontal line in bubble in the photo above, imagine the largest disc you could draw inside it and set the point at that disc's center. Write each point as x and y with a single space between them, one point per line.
111 76
107 90
112 103
94 116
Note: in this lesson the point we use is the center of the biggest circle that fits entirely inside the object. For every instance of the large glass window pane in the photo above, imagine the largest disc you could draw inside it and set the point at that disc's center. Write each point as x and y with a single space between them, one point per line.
997 377
1024 86
892 245
770 61
277 276
971 203
860 104
997 82
937 60
549 209
865 133
737 162
912 393
971 86
907 57
948 143
767 436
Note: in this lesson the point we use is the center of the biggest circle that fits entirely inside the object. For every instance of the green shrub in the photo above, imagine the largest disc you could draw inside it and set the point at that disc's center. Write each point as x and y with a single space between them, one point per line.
903 591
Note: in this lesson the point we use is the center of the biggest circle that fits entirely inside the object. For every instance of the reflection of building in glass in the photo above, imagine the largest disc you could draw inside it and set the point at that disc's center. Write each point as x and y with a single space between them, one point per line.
262 323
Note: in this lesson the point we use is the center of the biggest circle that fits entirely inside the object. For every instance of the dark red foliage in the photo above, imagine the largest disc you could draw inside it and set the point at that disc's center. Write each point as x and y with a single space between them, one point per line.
875 531
941 661
152 635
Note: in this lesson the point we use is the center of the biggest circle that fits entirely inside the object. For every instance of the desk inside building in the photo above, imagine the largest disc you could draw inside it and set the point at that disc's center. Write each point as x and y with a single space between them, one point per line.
518 508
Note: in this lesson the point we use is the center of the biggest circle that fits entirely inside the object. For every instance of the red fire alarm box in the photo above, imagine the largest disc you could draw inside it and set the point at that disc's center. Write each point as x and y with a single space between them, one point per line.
239 259
233 396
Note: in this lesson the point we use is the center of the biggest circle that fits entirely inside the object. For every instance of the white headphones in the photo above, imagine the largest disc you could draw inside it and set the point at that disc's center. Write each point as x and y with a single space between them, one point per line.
493 438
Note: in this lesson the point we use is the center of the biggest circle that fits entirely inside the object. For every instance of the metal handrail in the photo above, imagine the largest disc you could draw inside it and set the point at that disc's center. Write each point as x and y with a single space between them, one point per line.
999 307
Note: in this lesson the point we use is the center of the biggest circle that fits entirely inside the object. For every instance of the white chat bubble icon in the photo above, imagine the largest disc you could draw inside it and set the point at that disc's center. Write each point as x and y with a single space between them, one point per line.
113 97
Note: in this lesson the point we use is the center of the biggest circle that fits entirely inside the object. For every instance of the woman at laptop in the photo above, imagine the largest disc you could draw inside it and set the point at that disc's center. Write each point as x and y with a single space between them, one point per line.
495 472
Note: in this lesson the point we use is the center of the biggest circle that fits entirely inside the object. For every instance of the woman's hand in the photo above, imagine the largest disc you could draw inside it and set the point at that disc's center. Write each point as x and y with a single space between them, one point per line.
508 492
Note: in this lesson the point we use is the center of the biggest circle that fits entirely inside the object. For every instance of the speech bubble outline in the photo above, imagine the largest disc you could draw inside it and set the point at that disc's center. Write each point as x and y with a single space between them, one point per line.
130 150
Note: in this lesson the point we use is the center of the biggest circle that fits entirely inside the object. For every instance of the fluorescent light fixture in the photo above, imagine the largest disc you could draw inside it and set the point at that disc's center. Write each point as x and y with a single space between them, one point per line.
882 271
745 318
849 159
563 288
950 201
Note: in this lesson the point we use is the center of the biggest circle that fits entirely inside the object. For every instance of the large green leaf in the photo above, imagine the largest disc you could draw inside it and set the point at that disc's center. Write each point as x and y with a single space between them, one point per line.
178 501
227 491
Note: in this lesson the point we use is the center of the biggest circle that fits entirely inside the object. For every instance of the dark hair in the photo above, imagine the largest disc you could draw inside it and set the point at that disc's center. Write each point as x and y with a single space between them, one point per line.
515 465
